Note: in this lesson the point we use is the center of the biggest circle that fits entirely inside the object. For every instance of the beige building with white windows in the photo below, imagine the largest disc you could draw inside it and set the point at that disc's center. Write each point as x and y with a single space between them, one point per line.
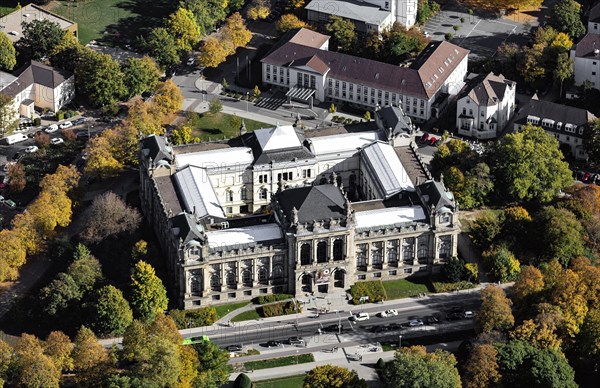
12 24
284 210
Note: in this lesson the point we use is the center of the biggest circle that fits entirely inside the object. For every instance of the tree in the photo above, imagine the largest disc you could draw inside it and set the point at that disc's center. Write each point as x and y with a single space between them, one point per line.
90 358
289 22
213 52
256 92
332 108
58 347
86 272
215 106
16 175
59 294
529 165
148 295
208 12
140 75
42 140
367 116
240 35
112 314
161 46
454 270
502 263
9 121
414 367
588 339
182 135
8 54
145 117
107 216
330 376
566 18
342 31
542 336
213 369
398 43
225 84
168 98
295 4
242 381
495 312
259 9
481 368
39 39
6 359
182 26
561 234
485 229
188 359
34 368
65 54
99 77
591 141
563 69
568 294
529 283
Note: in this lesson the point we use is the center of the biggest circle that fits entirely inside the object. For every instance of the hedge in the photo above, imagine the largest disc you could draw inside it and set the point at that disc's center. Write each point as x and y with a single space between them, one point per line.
264 299
60 116
199 317
37 121
373 289
449 287
277 309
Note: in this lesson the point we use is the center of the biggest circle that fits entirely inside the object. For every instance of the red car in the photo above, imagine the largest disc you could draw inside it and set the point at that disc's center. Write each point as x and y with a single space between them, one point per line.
586 177
424 138
432 141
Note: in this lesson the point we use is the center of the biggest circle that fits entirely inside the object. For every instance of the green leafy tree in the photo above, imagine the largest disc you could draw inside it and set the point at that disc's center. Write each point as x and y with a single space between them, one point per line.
331 376
161 46
33 367
563 70
502 263
140 75
529 165
591 141
495 312
414 367
343 32
566 17
112 314
588 339
215 106
99 77
183 27
454 270
59 294
207 12
8 54
398 44
213 364
485 229
561 234
86 271
39 39
9 120
148 295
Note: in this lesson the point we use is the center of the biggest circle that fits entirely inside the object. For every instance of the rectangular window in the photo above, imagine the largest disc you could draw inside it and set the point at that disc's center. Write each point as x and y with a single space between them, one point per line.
306 173
230 196
299 79
343 85
262 178
358 88
422 103
593 73
229 210
268 67
337 83
313 82
351 87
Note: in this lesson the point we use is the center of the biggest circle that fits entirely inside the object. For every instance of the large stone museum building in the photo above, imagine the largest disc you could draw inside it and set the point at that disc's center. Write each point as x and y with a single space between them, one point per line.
286 210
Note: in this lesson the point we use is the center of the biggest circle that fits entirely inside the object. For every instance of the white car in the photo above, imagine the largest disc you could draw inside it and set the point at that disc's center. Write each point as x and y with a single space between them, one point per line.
389 313
191 62
415 322
468 314
66 124
360 317
57 140
51 128
31 149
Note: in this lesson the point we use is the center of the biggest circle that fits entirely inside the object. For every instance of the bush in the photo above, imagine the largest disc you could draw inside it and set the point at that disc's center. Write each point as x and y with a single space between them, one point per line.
199 317
373 289
277 309
449 36
449 287
462 20
60 115
454 270
456 28
215 106
348 121
37 122
242 381
273 298
380 364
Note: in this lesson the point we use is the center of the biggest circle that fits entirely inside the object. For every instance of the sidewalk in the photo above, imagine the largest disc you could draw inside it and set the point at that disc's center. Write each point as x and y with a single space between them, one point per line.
199 106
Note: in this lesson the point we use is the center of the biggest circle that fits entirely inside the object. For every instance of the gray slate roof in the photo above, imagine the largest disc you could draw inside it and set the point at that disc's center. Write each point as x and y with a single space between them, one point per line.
187 228
487 89
350 9
436 195
586 47
394 117
157 148
314 203
36 72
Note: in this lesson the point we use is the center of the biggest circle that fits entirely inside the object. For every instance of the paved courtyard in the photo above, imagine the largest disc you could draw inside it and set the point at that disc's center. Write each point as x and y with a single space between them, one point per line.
482 34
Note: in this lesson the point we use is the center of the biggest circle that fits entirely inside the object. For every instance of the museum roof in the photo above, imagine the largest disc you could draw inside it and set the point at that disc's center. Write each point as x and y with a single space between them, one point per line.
278 138
313 203
238 157
341 143
185 227
157 148
197 193
436 196
244 237
391 177
350 9
389 216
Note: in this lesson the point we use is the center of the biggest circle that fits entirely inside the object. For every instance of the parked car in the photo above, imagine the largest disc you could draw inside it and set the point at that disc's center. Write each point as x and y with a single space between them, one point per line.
65 125
586 177
354 357
234 348
10 203
360 317
454 316
468 314
17 156
296 341
79 121
432 141
51 128
57 140
273 344
191 62
431 320
336 328
389 313
424 138
415 323
31 149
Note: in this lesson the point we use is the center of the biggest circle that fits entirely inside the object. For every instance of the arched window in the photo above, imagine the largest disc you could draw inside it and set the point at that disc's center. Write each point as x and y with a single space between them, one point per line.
196 284
229 195
322 252
231 281
262 275
305 254
422 251
277 274
445 247
338 249
247 278
215 285
262 193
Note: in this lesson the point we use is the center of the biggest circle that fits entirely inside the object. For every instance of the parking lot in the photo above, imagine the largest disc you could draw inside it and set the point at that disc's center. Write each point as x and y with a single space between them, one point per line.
482 34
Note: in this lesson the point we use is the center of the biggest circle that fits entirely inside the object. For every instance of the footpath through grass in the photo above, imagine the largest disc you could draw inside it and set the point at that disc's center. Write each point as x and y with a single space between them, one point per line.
216 126
285 382
246 316
277 362
227 308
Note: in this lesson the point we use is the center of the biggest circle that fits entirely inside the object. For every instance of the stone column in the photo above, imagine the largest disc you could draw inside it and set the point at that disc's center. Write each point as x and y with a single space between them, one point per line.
238 274
435 249
205 281
415 248
330 246
222 275
368 256
313 251
254 270
400 252
384 250
270 269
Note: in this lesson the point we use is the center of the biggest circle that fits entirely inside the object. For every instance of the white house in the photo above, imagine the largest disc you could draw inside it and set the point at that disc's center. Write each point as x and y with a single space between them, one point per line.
367 15
38 85
485 106
586 60
593 26
566 123
307 70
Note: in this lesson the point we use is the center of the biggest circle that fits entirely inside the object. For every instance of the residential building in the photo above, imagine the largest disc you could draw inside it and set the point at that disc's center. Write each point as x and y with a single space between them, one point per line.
36 85
307 71
586 60
593 26
320 210
12 24
566 123
485 106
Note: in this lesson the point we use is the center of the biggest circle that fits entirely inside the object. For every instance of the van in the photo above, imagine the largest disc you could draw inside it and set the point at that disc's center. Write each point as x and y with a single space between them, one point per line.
12 139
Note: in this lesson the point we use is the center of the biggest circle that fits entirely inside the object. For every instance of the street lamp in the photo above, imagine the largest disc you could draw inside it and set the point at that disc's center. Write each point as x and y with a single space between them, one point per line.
297 351
247 99
399 341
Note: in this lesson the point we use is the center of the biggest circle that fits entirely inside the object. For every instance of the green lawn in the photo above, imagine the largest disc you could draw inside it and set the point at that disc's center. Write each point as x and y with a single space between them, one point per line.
6 10
287 382
246 316
227 308
277 362
216 126
403 288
